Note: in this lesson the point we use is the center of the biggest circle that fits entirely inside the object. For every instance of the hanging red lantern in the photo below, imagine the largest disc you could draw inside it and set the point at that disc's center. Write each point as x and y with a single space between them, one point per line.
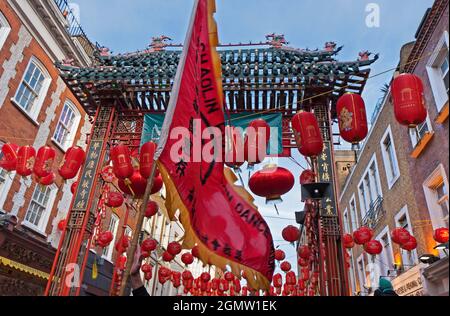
164 275
307 177
73 187
410 245
256 142
362 235
196 252
25 161
174 248
122 164
122 262
291 234
234 155
115 200
148 276
304 252
303 262
441 235
224 286
348 242
400 236
123 244
149 245
305 272
152 209
187 275
146 159
167 257
9 159
135 185
272 182
373 247
73 160
47 180
62 225
291 278
277 280
409 101
187 258
146 268
285 266
229 276
307 134
44 161
352 115
280 255
205 277
105 239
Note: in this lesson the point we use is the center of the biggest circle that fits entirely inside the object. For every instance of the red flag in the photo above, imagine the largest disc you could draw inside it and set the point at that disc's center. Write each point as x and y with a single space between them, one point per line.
217 215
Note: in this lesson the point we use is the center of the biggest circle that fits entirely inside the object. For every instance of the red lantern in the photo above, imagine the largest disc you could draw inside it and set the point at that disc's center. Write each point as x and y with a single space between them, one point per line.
272 182
291 234
146 159
305 274
187 258
157 184
187 275
47 180
123 244
373 247
441 235
146 268
277 280
73 160
348 241
307 134
409 101
234 155
285 266
303 262
104 239
304 252
352 115
44 161
167 257
205 277
410 245
400 236
73 187
148 276
9 159
291 278
164 275
149 245
307 177
280 255
152 209
362 235
122 262
115 200
62 225
122 164
174 248
25 161
256 141
229 276
196 252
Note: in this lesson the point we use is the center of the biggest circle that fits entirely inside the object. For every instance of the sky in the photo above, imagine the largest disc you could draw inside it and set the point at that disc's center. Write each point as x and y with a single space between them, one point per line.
125 26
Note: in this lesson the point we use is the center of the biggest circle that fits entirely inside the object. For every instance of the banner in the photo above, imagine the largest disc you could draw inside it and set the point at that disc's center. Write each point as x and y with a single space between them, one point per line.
153 125
218 216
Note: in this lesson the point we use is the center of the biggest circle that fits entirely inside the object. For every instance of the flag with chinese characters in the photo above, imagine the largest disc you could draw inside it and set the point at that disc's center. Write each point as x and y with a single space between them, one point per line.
218 216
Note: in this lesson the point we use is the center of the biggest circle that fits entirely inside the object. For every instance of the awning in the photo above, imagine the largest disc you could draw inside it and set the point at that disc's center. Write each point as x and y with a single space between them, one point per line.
21 267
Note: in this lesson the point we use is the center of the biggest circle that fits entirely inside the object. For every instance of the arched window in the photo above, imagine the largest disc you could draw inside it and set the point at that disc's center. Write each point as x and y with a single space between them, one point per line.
67 126
33 89
5 28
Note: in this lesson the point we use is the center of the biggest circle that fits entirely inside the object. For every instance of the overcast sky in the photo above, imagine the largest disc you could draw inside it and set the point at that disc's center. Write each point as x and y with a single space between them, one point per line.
125 26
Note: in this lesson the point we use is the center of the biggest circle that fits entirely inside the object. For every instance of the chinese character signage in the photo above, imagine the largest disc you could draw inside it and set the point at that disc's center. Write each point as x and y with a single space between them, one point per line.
326 175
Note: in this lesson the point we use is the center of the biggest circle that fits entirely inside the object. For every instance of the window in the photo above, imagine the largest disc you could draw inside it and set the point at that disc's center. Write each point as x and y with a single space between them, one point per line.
361 276
352 274
128 232
354 214
390 158
33 89
436 195
416 134
409 258
67 126
5 28
369 187
386 258
347 222
40 207
6 181
113 227
438 72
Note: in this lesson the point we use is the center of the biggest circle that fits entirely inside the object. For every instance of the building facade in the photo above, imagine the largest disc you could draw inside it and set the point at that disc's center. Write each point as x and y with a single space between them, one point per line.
390 185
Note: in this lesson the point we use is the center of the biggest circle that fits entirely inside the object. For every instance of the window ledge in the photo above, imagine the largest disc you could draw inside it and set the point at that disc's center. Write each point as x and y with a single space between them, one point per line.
32 227
54 141
393 181
443 115
423 143
27 115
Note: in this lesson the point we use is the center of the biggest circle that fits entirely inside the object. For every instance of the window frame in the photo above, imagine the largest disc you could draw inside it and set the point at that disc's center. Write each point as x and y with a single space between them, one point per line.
43 222
377 182
362 279
432 198
387 160
347 221
413 132
65 145
434 72
404 212
5 29
354 221
390 265
110 249
33 113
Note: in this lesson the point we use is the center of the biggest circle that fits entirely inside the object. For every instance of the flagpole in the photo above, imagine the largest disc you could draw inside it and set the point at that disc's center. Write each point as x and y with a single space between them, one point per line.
137 235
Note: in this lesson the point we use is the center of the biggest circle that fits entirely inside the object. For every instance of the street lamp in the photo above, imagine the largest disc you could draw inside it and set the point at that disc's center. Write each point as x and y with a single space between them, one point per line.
429 259
442 247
